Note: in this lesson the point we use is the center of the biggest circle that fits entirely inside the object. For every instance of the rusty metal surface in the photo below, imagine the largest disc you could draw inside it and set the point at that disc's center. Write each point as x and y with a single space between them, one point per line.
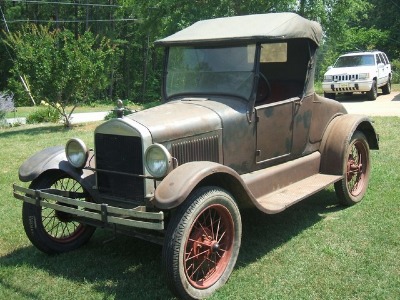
287 196
337 137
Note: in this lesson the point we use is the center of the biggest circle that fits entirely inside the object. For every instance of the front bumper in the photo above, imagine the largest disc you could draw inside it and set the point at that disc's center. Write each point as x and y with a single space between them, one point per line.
346 86
101 214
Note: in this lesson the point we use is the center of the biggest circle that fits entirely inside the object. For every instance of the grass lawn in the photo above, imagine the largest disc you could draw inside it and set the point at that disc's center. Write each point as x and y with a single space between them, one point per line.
314 250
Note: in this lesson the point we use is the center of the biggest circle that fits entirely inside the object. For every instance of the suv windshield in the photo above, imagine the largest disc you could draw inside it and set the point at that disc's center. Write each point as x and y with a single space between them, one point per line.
210 70
355 61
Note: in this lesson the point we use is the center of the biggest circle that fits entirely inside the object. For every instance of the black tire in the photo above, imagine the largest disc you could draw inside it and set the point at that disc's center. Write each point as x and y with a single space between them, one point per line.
352 188
330 95
52 231
202 243
387 88
373 93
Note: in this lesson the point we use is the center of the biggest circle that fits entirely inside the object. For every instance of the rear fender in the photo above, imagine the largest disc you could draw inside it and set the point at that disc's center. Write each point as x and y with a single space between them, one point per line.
336 138
178 184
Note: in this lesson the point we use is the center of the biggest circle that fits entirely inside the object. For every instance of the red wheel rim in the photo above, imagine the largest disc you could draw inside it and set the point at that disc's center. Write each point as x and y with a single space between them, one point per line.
356 168
209 246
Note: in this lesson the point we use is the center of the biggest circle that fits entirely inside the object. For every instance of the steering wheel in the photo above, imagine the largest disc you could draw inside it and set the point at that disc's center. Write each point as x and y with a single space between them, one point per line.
263 89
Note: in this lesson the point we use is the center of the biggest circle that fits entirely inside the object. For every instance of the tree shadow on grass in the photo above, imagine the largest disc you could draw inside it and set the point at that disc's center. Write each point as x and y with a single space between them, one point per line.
127 268
33 130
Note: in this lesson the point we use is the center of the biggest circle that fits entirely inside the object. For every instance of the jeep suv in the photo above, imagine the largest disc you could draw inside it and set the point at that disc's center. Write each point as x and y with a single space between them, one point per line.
358 72
240 126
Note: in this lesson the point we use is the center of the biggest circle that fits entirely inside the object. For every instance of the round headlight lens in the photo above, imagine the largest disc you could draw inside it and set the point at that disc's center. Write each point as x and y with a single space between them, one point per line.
76 153
157 160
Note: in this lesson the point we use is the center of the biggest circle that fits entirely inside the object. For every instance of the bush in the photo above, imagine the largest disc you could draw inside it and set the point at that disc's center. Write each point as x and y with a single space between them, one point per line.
396 71
44 114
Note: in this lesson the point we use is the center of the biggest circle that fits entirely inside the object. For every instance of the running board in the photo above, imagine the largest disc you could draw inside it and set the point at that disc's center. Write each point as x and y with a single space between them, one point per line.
281 199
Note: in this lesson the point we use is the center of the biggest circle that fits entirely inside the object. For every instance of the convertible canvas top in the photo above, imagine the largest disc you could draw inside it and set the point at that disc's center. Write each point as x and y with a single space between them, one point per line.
250 28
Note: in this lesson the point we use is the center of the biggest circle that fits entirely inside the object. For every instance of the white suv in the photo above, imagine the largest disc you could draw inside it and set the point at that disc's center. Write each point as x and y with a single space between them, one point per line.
358 72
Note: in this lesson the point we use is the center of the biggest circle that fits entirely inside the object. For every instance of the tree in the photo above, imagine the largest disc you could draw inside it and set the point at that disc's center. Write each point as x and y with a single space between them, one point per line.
59 69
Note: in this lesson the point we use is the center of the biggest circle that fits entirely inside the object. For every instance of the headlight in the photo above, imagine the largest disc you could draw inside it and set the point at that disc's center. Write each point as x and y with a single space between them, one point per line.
363 76
328 77
158 160
76 152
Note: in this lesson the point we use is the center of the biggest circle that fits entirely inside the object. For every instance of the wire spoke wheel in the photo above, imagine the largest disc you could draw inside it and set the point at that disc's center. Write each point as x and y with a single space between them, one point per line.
352 188
60 225
355 173
202 243
209 246
50 230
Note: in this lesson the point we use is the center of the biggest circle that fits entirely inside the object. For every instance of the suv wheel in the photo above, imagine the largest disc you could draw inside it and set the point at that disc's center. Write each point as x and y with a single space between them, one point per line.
330 95
373 93
202 243
387 89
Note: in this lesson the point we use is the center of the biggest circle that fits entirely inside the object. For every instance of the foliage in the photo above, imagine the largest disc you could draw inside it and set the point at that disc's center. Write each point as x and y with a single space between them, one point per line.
396 70
58 68
135 71
44 114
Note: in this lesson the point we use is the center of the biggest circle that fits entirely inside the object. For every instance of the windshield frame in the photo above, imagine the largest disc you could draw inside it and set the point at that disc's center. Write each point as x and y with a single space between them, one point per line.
248 76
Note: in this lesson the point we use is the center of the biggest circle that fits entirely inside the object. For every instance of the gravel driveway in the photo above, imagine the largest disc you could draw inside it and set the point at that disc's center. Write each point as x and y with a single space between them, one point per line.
384 105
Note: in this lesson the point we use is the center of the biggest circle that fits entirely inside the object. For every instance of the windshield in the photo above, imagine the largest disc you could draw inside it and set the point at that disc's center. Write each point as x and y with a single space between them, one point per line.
355 61
210 70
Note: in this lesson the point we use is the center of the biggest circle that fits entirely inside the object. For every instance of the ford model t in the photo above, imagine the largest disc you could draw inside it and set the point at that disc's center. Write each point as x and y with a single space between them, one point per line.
240 126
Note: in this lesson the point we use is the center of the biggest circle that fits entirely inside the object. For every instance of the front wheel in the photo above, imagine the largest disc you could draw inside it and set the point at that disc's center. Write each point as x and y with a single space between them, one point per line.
373 93
352 188
330 95
202 243
53 231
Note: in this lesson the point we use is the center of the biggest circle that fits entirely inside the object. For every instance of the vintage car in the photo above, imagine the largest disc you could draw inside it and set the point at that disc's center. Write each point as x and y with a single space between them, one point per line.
240 126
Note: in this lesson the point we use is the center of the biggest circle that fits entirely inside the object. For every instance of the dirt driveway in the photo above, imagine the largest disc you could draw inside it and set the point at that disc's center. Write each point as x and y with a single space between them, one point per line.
384 105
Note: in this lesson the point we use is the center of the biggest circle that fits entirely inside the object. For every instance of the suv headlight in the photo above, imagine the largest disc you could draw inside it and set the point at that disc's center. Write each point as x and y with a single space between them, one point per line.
363 76
328 77
76 152
158 160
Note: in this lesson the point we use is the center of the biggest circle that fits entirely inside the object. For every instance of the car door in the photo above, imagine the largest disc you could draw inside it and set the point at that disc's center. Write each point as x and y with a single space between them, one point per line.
387 69
274 130
381 69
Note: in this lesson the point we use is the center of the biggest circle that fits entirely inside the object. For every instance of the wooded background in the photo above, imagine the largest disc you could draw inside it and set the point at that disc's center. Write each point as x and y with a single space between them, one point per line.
107 45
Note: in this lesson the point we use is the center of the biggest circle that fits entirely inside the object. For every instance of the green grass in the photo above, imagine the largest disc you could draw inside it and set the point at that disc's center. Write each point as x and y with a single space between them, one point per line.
314 250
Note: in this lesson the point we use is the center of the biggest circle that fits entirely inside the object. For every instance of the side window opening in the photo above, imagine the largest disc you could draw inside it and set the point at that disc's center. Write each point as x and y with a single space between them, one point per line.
285 67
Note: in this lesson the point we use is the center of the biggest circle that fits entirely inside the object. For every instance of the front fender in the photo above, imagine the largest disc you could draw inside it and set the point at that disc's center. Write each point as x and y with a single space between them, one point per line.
52 158
178 184
49 158
337 137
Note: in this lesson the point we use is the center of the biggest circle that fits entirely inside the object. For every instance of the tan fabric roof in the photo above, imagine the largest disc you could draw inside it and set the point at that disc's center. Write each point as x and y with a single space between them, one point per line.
262 27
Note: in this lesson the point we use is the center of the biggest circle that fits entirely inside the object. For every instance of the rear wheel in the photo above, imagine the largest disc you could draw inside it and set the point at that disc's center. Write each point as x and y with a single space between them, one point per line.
53 231
387 89
202 243
352 188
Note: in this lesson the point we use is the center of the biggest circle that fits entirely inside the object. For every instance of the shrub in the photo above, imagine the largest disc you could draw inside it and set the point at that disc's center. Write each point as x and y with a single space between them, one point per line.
44 114
396 71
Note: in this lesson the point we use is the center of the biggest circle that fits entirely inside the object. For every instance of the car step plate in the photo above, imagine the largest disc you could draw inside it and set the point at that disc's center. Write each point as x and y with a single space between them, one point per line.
281 199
